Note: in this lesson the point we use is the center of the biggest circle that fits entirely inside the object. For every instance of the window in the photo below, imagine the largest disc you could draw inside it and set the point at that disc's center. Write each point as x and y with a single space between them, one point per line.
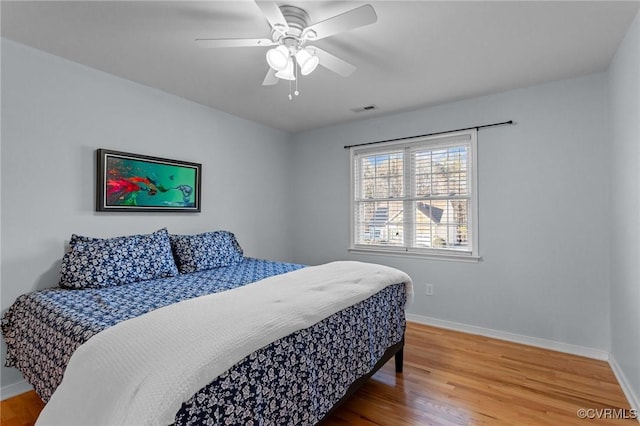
416 196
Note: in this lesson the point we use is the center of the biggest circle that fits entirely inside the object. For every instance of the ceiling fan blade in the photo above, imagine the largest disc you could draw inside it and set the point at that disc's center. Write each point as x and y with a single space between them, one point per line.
270 79
358 17
333 63
271 11
234 42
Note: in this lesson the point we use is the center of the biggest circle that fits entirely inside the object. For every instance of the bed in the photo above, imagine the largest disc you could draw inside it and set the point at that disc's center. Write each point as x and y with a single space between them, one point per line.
296 377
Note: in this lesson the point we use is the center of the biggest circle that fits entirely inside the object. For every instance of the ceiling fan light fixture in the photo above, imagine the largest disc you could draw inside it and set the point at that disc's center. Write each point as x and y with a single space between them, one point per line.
278 57
307 61
290 31
287 72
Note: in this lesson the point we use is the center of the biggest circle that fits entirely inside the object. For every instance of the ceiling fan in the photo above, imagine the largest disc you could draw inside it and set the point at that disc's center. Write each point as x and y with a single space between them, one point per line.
290 33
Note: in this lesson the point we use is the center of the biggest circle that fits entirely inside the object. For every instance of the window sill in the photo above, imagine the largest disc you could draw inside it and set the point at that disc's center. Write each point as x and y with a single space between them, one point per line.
450 257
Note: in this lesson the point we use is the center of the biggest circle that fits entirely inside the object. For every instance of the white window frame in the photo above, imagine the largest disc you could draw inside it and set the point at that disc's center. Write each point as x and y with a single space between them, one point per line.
469 137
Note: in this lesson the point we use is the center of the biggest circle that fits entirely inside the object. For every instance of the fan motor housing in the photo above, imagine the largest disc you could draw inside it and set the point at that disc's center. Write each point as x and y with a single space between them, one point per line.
297 19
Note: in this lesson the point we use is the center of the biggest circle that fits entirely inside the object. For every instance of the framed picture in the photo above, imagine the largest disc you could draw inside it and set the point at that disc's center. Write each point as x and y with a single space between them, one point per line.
132 182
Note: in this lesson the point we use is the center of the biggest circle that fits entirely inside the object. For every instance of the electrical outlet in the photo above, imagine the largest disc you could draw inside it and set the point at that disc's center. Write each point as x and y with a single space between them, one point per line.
429 289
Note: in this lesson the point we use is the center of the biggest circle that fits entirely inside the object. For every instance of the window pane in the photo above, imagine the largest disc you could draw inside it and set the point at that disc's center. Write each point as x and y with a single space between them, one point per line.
442 224
440 172
457 183
428 217
368 188
439 182
458 224
395 164
381 188
382 165
395 187
422 161
379 223
422 185
368 168
382 176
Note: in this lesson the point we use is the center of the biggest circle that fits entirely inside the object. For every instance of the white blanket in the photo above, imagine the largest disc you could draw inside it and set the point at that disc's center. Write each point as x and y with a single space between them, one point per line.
140 371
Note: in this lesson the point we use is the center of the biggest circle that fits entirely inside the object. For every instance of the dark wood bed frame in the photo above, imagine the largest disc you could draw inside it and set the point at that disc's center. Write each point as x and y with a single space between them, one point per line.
396 350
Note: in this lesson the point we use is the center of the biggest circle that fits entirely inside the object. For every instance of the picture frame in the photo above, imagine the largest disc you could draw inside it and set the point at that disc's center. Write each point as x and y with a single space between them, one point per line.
128 182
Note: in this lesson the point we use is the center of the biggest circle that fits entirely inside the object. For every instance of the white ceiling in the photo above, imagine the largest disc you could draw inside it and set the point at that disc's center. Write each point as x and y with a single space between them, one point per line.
417 54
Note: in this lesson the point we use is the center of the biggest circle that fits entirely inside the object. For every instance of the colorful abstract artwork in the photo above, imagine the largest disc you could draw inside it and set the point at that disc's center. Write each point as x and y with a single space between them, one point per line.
132 182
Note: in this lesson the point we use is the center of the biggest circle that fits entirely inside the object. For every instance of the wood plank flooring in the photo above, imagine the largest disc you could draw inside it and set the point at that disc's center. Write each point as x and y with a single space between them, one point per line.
453 378
21 410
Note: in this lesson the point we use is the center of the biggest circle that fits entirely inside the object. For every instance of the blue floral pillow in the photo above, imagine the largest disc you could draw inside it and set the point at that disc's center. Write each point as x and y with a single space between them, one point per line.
205 251
75 239
95 263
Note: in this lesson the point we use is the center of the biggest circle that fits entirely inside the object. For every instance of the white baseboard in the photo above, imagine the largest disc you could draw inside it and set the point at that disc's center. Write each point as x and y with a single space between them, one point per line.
512 337
14 389
633 399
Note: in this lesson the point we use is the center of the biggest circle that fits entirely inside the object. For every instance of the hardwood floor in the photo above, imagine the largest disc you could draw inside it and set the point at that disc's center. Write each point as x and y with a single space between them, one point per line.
21 410
453 378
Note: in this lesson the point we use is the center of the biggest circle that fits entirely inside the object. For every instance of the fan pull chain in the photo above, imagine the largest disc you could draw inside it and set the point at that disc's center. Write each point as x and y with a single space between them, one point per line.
295 77
295 68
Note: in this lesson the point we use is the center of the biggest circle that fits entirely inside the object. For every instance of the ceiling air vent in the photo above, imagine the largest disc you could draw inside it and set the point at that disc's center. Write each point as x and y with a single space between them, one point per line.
364 108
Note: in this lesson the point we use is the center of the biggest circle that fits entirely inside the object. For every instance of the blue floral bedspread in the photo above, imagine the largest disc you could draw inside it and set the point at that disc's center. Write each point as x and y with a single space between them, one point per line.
298 379
295 380
42 329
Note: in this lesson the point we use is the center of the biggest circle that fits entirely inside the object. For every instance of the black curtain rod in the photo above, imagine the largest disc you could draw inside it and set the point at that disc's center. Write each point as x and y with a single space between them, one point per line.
504 123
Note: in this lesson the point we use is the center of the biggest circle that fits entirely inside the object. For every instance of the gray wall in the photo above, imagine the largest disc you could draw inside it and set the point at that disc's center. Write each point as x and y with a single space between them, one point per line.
55 113
543 211
624 111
